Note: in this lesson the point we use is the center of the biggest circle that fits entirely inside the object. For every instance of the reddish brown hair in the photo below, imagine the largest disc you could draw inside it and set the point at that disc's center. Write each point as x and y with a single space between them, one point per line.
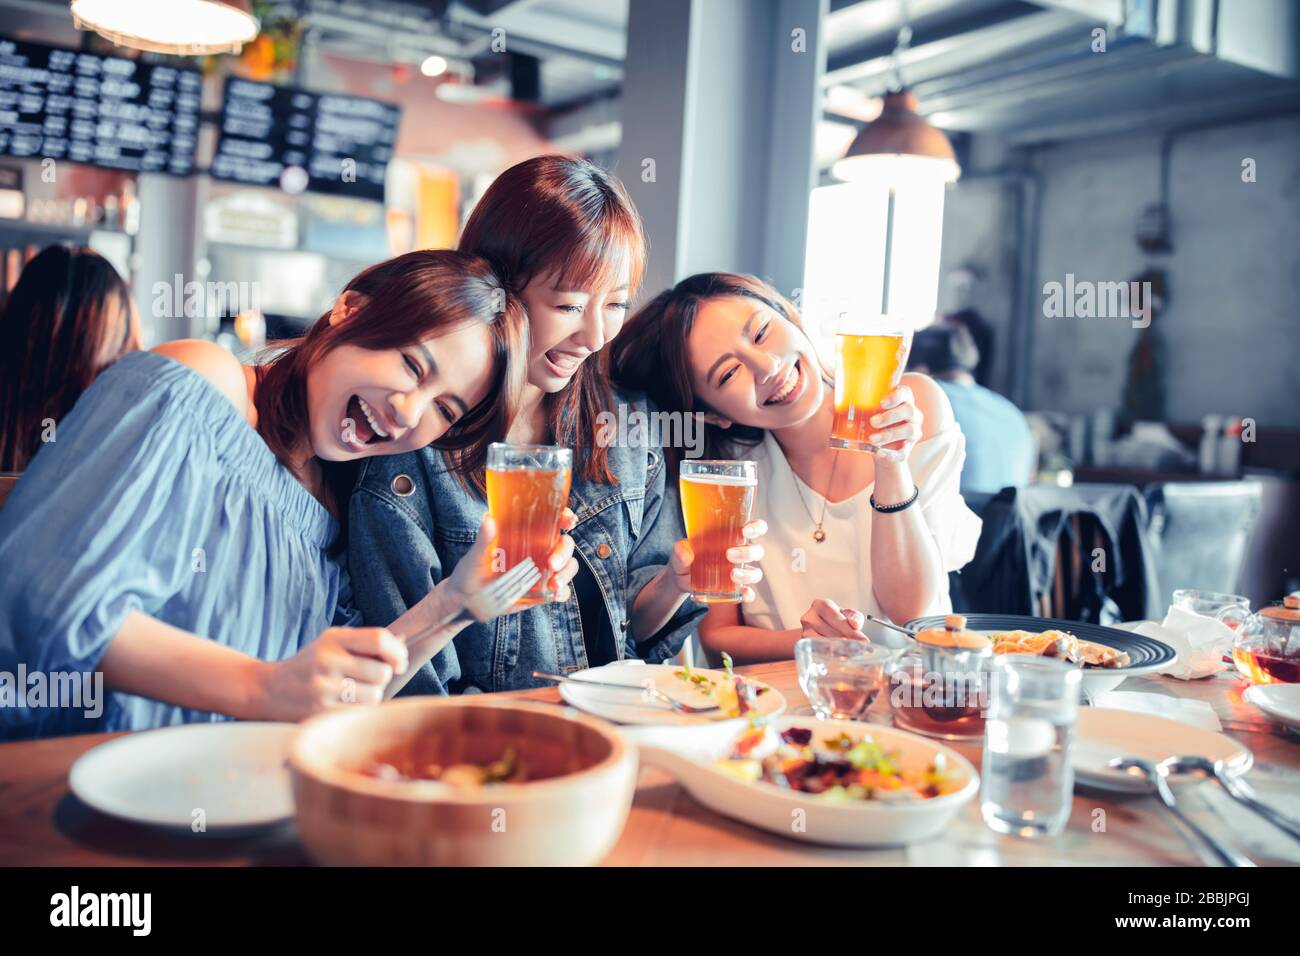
565 217
416 296
650 353
55 337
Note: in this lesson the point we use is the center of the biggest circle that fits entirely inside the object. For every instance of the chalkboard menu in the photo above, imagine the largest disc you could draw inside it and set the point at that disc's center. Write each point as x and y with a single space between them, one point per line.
280 136
91 108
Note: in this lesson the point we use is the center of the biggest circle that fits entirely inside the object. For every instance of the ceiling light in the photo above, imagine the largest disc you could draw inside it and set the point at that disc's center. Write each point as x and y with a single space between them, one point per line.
434 66
178 27
899 144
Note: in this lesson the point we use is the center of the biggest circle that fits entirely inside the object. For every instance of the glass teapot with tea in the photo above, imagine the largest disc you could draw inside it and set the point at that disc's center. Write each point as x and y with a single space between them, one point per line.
939 684
1268 643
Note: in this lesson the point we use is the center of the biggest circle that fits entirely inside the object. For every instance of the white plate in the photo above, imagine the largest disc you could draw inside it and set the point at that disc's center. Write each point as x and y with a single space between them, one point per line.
625 707
236 773
1279 701
1102 734
688 754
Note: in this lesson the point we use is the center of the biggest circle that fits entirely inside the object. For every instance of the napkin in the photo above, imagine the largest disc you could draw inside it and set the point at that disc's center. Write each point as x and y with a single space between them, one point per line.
1199 641
1195 712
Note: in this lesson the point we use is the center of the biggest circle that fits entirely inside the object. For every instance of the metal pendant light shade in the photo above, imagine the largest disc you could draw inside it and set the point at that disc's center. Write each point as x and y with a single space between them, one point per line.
178 27
899 139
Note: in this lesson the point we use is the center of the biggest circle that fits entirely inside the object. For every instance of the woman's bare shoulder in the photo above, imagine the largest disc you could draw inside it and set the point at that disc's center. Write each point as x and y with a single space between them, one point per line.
932 403
214 363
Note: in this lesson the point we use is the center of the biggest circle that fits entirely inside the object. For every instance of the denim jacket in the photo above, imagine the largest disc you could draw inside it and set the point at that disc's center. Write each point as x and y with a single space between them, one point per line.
400 545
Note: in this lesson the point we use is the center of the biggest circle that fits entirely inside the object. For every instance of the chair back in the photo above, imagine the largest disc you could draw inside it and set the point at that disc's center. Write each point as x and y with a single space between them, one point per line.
1200 530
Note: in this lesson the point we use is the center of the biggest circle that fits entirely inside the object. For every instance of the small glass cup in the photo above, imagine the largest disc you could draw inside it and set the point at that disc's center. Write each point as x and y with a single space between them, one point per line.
840 677
1028 777
1229 609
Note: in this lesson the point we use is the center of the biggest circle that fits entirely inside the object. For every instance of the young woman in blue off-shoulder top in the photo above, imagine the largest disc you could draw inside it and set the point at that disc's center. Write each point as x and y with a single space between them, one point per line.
179 534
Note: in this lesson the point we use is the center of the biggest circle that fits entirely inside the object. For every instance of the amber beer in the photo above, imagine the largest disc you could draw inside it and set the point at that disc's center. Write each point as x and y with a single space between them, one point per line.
868 366
527 491
717 497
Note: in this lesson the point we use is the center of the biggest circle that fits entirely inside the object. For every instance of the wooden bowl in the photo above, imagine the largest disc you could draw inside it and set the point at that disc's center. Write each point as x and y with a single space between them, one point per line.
569 811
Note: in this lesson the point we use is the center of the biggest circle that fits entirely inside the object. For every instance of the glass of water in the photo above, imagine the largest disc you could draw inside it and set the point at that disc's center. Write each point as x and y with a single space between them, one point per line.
841 677
1028 778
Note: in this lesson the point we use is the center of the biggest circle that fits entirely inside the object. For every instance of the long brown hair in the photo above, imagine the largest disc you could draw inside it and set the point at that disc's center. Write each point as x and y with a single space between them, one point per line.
55 337
556 215
650 354
415 296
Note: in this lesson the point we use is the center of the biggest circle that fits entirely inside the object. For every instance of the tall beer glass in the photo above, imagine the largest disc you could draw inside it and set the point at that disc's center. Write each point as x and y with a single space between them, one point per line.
870 358
717 497
527 491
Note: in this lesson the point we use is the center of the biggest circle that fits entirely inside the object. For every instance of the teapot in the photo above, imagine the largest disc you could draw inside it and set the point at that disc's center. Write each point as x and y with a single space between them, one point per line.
1268 643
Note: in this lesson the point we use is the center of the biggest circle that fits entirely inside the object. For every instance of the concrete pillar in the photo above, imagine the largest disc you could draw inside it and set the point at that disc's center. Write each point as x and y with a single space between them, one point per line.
720 106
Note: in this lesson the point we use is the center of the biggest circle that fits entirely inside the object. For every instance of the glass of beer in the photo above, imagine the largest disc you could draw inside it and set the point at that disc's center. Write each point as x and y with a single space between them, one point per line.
870 358
717 497
527 492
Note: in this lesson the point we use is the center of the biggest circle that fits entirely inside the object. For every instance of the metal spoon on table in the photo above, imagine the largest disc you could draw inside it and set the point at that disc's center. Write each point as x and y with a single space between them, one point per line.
1158 776
1237 789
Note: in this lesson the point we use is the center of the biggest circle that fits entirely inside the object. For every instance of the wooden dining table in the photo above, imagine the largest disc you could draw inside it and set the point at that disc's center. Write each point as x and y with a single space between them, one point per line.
43 823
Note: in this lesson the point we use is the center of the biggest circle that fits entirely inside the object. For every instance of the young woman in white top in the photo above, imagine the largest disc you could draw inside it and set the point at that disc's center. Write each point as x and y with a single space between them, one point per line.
848 532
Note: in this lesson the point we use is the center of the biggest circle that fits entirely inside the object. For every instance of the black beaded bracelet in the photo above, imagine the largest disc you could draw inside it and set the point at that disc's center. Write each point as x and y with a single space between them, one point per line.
901 506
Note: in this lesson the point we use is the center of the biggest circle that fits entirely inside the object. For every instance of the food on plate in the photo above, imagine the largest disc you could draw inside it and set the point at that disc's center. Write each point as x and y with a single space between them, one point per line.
463 776
837 767
1061 644
734 695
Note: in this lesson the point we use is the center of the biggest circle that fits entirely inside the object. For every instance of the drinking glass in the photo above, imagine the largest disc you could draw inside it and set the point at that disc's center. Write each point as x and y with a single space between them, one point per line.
527 491
717 497
1028 777
841 677
870 358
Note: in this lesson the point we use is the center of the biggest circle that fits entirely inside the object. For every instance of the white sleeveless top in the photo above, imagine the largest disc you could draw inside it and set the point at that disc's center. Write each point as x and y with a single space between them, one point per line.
797 570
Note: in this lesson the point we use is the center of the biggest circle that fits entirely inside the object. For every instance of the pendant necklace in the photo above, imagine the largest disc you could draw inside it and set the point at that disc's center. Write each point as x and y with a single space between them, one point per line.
818 534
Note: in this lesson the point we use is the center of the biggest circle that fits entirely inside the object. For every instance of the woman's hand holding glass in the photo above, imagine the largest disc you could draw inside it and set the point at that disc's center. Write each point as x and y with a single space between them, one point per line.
741 557
897 426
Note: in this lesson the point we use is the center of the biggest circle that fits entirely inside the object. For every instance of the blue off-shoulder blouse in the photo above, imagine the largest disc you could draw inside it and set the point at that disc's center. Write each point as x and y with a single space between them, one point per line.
156 495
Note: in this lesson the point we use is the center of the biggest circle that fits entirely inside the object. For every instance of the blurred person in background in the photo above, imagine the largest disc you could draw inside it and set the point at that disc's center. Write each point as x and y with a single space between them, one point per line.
999 449
68 318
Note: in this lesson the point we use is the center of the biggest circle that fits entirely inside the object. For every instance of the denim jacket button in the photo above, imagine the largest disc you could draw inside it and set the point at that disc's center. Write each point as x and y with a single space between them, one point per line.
603 550
403 486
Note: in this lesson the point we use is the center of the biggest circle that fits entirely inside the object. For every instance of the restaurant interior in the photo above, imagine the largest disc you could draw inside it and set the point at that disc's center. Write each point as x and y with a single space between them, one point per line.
1093 205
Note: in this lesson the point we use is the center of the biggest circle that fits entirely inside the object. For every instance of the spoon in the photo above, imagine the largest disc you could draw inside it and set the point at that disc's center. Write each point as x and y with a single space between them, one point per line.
1237 789
1158 776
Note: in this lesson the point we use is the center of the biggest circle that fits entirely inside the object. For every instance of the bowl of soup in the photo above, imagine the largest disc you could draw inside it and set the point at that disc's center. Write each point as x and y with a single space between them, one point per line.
460 782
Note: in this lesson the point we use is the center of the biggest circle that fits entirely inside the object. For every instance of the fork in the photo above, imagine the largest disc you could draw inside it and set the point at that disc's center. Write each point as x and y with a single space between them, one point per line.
492 601
646 688
1237 789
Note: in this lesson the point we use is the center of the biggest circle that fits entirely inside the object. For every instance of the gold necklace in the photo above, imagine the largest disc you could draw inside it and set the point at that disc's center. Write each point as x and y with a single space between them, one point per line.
818 534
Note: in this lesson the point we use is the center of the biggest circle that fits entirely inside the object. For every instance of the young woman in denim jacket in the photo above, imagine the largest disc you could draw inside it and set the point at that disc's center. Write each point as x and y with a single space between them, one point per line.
565 237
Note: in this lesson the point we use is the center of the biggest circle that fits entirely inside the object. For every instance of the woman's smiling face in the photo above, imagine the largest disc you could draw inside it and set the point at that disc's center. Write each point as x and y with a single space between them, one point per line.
752 366
364 402
566 326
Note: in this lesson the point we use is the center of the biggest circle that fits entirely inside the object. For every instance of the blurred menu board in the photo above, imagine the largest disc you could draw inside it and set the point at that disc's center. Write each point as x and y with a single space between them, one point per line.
103 110
280 136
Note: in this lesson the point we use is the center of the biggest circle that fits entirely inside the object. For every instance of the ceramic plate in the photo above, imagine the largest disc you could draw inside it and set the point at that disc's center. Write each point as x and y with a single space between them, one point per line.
626 707
1279 701
1102 734
235 773
689 755
1146 654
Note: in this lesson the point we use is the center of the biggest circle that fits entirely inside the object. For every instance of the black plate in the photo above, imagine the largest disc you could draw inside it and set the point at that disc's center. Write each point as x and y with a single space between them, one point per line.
1142 651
